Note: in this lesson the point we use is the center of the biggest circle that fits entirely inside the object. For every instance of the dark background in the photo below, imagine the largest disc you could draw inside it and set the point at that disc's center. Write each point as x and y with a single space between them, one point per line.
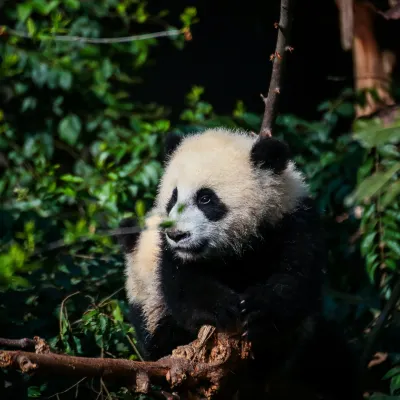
229 56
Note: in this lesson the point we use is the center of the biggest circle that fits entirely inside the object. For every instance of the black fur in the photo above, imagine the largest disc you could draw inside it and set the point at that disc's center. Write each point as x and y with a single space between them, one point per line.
270 153
278 277
172 141
215 209
273 291
172 200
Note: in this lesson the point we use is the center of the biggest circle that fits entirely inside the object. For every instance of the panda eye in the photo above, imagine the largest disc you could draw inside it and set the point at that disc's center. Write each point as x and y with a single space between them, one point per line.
205 199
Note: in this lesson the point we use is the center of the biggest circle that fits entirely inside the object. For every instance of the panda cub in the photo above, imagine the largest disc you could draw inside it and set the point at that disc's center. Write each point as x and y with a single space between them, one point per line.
245 252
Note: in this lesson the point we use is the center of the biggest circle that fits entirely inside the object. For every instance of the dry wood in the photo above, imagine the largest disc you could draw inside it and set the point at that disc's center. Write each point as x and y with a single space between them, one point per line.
200 369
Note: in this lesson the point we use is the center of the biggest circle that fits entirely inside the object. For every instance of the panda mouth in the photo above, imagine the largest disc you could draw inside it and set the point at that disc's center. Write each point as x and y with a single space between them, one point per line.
193 249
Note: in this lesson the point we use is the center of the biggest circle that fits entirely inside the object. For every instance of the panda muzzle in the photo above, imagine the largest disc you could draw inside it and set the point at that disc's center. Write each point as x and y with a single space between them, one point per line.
177 235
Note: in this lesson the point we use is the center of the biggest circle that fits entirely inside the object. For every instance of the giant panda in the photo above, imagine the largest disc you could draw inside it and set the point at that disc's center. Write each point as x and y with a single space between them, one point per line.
245 252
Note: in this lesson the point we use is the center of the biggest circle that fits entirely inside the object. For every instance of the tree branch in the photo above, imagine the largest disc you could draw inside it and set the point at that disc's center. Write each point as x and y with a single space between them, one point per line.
204 367
37 344
278 58
80 39
23 344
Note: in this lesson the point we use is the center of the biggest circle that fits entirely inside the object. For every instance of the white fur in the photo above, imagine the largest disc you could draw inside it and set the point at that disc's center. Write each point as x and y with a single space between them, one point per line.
220 160
142 277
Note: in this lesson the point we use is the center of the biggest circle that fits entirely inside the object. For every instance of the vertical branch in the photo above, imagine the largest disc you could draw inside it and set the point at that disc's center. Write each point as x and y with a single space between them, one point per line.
279 57
346 19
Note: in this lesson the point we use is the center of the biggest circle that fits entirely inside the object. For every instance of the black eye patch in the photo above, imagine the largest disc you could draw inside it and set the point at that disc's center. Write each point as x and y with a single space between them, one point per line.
172 201
210 204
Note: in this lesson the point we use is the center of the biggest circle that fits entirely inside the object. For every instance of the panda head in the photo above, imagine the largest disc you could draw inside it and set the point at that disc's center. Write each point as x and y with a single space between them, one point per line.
219 186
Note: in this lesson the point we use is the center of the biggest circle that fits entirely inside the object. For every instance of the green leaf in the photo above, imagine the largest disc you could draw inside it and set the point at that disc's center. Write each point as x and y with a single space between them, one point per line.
367 243
69 129
395 384
392 372
31 27
391 193
140 208
29 103
117 313
345 109
167 224
394 246
391 264
65 80
34 392
40 74
371 134
77 344
107 68
24 11
72 4
181 208
103 323
365 169
71 178
371 271
371 185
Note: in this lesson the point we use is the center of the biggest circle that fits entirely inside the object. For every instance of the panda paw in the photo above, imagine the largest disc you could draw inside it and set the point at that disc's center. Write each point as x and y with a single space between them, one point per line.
222 312
228 316
257 321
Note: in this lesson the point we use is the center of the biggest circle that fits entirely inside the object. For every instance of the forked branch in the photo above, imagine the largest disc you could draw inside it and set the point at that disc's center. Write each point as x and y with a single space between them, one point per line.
279 60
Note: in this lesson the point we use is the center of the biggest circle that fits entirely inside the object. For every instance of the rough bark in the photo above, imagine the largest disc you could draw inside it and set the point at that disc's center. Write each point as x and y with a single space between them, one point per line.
201 369
279 60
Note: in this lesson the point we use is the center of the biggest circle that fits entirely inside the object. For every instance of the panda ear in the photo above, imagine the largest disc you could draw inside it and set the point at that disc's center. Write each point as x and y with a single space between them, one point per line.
128 240
172 141
270 153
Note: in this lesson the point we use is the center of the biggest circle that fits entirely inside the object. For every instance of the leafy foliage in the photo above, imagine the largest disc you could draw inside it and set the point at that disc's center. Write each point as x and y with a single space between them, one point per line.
78 152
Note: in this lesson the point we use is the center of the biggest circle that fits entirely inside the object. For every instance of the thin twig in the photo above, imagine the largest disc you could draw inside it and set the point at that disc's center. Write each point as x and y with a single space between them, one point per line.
102 302
67 390
62 309
278 58
108 232
80 39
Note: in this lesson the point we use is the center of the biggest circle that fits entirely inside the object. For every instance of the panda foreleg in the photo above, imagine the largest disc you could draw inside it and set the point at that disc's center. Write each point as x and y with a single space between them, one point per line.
293 292
275 308
167 336
195 300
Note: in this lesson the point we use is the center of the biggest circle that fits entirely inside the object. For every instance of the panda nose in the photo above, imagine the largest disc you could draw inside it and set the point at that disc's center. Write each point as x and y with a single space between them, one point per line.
177 236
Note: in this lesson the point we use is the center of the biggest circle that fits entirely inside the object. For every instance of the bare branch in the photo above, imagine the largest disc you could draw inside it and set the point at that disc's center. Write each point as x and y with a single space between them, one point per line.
204 366
392 13
278 58
23 344
37 344
58 244
346 18
80 39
